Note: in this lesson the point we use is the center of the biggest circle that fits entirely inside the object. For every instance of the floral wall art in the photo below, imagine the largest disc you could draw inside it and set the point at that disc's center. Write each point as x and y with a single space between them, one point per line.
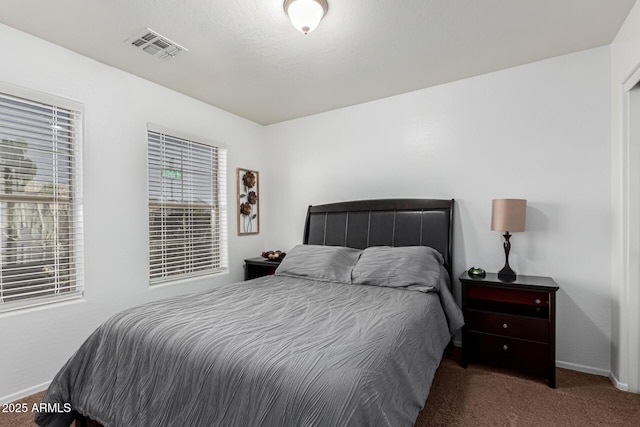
248 201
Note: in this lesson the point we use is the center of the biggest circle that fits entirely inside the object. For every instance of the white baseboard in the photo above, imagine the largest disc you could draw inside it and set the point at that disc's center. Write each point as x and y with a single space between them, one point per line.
24 393
582 368
618 384
596 371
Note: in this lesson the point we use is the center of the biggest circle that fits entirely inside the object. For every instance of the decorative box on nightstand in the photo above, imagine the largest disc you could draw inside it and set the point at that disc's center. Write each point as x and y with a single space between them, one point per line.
258 267
510 324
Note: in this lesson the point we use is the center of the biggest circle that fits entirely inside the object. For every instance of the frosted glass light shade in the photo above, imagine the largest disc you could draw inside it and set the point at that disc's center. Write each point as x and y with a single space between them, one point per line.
305 15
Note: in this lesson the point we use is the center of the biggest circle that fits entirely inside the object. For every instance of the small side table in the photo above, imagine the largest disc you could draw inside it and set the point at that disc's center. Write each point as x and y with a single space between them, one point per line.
510 324
258 267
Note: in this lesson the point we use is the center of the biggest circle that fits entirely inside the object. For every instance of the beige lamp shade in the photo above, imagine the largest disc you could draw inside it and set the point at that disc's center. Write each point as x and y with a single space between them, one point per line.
508 214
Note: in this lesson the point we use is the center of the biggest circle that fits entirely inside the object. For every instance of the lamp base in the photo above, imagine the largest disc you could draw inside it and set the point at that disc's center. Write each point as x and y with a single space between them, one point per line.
507 274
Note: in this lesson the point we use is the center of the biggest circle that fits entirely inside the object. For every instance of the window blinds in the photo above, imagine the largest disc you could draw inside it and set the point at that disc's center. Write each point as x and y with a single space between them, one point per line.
187 207
40 219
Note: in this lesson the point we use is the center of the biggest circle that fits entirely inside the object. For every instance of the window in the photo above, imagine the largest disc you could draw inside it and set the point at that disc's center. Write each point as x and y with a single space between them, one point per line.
40 216
187 207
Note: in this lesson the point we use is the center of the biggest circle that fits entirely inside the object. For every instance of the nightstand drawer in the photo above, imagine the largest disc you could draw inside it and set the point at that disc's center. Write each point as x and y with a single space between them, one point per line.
513 353
527 328
537 299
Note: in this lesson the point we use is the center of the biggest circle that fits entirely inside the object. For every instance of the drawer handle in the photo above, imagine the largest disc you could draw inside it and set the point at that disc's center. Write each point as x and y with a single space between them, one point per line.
505 326
505 347
537 301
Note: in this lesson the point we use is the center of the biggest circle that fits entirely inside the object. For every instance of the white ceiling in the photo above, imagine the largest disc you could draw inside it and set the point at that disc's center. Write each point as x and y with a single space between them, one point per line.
246 58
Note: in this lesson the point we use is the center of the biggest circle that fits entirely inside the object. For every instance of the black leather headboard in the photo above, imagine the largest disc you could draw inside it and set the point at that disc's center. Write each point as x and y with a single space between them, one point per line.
384 222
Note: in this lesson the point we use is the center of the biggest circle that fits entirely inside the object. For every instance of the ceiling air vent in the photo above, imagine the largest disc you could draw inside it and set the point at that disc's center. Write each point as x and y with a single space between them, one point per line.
156 45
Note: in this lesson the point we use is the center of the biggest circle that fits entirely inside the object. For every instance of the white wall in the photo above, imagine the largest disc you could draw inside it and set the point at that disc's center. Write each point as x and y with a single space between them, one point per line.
625 343
539 131
34 344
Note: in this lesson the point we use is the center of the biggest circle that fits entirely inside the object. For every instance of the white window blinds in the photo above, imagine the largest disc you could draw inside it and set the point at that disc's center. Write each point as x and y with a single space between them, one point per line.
187 207
40 217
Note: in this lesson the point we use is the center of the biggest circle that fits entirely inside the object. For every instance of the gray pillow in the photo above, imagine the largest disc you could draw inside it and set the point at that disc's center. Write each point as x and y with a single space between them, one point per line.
324 263
410 267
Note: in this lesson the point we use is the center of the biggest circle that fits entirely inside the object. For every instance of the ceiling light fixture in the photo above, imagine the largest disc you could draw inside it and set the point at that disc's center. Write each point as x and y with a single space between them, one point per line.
305 15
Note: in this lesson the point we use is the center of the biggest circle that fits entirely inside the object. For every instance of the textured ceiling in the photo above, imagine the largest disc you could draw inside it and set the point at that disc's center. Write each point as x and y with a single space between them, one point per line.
246 58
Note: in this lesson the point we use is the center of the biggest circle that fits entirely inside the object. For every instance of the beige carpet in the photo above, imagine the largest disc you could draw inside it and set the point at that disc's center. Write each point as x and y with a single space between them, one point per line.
483 396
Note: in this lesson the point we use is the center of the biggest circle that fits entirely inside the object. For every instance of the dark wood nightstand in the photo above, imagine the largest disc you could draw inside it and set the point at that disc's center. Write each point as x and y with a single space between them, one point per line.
258 267
510 324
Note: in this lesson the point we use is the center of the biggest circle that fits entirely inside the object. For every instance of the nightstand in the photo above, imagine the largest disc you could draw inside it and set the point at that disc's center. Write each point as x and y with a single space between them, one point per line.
258 267
510 324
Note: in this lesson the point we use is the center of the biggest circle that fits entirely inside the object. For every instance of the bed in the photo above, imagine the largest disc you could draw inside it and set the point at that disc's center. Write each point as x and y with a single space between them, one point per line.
348 331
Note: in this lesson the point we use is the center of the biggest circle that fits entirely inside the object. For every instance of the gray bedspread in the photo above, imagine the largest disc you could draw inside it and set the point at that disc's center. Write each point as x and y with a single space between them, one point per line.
274 351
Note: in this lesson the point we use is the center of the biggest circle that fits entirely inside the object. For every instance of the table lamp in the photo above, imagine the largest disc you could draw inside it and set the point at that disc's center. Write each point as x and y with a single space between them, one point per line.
508 215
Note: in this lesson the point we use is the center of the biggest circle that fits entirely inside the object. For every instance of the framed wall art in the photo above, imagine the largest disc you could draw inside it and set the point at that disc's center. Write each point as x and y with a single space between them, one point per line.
248 201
